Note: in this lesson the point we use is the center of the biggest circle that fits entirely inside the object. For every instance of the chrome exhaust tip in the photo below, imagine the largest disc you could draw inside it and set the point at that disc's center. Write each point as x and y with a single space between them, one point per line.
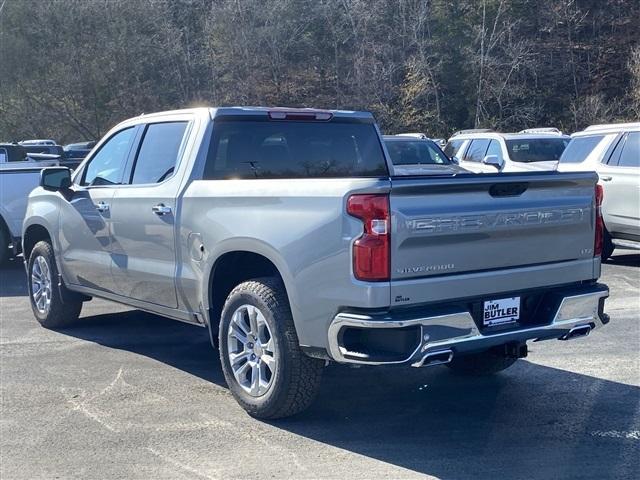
576 332
439 357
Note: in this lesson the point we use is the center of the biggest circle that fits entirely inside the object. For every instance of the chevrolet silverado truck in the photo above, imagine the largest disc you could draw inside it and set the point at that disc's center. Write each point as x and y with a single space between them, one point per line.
291 238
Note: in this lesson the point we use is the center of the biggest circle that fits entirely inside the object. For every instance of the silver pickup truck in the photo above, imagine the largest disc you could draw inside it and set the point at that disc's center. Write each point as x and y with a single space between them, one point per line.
288 235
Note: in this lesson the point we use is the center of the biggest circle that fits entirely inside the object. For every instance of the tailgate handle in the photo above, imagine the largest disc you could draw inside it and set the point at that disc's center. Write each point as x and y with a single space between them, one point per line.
508 189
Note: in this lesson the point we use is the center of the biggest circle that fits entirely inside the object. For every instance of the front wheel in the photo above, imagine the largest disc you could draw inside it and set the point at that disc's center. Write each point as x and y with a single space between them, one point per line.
481 364
48 302
267 372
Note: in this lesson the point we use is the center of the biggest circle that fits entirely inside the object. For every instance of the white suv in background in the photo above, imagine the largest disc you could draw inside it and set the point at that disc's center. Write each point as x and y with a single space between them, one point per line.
488 152
614 152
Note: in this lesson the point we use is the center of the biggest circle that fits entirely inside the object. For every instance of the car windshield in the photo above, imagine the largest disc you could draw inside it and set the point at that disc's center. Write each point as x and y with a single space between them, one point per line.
536 149
415 152
452 147
579 148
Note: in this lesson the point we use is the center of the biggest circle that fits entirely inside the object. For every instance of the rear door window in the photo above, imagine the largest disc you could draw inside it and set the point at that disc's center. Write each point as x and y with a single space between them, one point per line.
477 150
630 155
158 154
294 149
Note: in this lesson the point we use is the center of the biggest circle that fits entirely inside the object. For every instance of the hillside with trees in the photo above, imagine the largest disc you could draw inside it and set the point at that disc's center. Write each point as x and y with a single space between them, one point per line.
71 69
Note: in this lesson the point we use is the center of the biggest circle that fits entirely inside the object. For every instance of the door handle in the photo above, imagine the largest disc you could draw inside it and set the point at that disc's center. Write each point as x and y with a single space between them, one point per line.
606 178
161 209
102 207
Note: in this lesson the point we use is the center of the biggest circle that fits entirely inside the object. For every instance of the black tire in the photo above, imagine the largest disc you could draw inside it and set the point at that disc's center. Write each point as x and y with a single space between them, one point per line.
607 246
481 364
63 310
296 380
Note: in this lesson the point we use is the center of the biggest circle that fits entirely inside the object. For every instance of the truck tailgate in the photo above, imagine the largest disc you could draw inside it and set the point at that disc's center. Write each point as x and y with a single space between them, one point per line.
496 232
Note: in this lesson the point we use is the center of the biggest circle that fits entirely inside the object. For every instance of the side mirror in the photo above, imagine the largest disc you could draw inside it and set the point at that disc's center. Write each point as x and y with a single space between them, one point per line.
494 161
55 178
455 160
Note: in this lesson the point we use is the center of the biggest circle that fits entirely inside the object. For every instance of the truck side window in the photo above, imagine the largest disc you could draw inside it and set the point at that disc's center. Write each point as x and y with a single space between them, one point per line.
476 150
107 165
630 156
158 154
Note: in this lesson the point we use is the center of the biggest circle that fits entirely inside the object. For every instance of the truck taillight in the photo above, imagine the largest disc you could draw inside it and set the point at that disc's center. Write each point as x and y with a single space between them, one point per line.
597 244
371 251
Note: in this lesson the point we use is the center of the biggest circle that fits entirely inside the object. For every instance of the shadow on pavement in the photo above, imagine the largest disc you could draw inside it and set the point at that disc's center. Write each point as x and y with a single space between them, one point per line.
626 259
177 344
531 421
13 279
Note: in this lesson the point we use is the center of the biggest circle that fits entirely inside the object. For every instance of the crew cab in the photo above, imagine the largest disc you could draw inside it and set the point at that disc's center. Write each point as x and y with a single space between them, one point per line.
291 237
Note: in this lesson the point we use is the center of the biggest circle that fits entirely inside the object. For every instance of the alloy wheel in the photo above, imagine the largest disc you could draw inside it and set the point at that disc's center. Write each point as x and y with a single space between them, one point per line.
41 284
252 351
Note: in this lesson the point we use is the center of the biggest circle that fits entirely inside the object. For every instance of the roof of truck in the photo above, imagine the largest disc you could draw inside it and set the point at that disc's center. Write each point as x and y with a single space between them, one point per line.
241 111
249 110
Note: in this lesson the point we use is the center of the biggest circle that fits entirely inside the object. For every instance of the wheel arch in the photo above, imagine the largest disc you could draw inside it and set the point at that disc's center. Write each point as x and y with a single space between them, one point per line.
33 234
231 268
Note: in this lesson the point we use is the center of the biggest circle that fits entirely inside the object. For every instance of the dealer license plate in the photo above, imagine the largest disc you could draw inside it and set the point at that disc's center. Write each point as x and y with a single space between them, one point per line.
497 312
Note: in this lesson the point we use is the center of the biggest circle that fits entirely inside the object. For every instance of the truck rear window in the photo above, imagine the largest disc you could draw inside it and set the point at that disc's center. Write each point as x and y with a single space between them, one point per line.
294 149
536 149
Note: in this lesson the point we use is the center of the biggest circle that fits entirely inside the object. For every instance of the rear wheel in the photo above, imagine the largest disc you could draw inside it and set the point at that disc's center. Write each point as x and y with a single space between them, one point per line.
267 372
481 364
52 305
607 246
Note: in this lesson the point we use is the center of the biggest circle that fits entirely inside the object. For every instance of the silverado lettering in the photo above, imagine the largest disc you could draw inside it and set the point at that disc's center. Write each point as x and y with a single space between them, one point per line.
501 220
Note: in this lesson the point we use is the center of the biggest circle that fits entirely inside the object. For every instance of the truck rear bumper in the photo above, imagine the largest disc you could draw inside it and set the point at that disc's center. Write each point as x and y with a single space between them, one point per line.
435 335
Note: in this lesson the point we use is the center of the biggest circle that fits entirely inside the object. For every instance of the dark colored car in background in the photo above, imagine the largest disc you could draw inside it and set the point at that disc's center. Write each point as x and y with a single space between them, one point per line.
78 150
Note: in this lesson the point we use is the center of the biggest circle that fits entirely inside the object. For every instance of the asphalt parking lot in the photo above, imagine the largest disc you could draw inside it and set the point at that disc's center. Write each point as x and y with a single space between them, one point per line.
130 395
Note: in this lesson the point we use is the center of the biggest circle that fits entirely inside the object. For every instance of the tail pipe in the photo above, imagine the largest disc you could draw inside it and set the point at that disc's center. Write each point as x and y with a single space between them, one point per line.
439 357
575 332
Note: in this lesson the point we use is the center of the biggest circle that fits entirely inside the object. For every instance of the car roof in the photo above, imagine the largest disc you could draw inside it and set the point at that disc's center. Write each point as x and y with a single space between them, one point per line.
608 128
412 135
404 138
42 141
506 136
